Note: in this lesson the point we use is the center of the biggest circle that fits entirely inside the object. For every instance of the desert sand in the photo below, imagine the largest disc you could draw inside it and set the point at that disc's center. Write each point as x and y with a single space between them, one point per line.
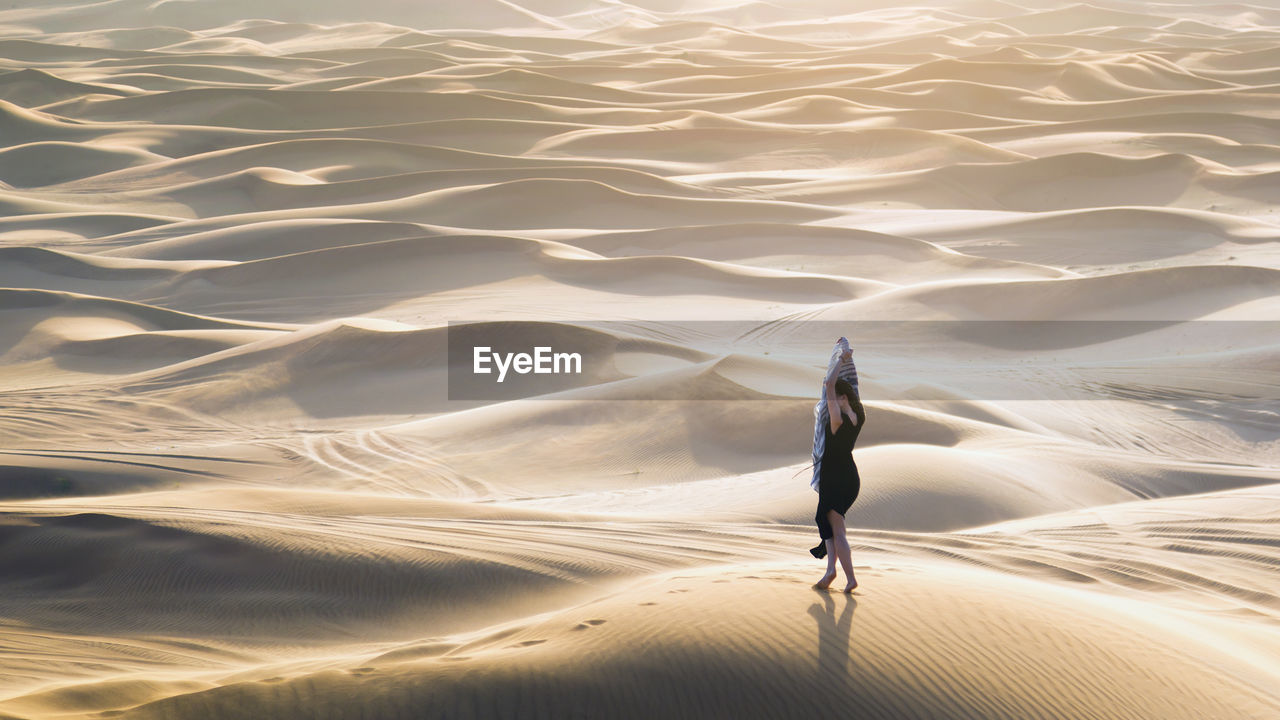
236 236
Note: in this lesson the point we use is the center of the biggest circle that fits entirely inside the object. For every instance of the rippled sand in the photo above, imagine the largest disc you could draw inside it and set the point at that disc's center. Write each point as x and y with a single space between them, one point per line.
233 483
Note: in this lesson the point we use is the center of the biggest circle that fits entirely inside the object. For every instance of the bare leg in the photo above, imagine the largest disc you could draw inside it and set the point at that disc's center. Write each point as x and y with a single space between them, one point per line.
841 549
830 575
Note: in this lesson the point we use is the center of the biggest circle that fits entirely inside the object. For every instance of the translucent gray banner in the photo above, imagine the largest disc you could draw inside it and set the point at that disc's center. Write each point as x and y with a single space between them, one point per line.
1234 361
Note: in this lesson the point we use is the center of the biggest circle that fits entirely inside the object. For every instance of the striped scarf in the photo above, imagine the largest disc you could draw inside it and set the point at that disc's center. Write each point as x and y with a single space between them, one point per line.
848 373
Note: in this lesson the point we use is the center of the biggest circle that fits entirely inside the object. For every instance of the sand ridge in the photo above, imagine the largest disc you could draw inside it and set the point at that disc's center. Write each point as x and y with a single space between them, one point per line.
234 235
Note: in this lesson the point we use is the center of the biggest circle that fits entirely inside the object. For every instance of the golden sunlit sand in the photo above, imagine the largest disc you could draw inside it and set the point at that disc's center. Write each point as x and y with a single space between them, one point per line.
234 236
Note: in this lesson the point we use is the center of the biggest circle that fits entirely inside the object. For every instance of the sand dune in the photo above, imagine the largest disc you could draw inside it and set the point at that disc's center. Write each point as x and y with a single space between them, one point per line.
1171 180
28 475
256 194
1097 239
303 109
48 163
23 125
334 160
1157 294
841 251
270 188
561 653
251 241
33 87
244 247
459 263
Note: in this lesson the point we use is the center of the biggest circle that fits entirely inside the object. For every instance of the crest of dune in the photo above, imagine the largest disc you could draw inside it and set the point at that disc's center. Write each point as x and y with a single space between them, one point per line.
245 248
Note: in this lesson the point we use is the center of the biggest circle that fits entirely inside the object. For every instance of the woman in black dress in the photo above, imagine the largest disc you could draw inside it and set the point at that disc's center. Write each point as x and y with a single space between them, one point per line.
838 482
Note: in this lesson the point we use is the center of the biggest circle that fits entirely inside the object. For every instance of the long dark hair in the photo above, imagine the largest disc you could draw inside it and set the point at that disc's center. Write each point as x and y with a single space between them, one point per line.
844 388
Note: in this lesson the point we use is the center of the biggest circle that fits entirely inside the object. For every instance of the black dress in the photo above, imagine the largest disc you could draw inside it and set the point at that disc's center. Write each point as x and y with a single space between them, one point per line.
838 481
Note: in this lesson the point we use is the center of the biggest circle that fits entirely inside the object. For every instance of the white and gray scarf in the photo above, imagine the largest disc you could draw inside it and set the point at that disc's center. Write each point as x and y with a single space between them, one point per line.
848 373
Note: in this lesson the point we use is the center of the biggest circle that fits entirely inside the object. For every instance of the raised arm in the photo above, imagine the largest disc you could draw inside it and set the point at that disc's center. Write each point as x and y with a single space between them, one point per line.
847 370
833 374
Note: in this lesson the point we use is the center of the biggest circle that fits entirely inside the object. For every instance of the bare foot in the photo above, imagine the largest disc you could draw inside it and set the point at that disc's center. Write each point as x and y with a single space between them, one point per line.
826 581
853 583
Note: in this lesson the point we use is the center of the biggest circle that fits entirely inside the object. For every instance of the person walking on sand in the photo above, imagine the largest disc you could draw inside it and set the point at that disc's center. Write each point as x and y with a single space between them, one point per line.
837 475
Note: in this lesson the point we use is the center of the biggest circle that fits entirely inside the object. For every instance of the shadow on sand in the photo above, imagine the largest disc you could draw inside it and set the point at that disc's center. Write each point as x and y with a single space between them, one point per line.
833 633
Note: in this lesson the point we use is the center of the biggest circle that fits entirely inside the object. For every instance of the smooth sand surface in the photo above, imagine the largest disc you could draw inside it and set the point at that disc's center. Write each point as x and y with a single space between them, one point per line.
233 236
